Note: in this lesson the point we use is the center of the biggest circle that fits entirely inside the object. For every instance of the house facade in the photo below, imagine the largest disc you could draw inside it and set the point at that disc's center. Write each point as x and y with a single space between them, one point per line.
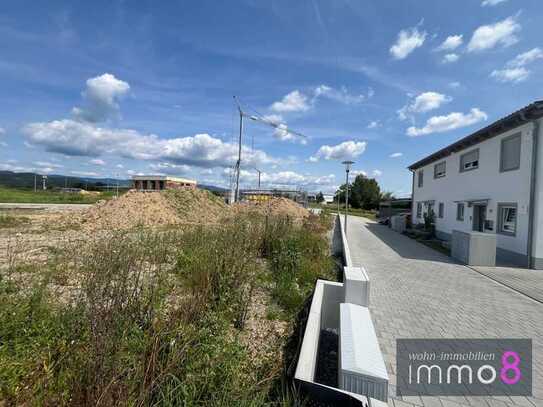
490 181
160 182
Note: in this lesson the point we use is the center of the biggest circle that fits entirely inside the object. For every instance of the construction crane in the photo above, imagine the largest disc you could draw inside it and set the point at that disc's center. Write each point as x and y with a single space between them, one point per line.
260 119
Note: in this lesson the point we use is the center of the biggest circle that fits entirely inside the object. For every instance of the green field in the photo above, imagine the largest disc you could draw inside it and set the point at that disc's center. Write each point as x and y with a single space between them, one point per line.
352 211
13 195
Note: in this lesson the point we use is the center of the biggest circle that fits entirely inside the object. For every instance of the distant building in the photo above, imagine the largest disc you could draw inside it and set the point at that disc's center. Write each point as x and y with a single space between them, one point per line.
257 195
160 182
328 199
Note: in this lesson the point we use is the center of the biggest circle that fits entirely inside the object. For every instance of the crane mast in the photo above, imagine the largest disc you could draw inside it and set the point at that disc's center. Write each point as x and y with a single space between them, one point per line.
256 118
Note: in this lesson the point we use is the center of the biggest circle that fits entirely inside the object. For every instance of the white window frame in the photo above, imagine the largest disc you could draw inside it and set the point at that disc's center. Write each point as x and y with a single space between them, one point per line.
419 210
502 208
504 140
420 178
441 210
471 166
458 206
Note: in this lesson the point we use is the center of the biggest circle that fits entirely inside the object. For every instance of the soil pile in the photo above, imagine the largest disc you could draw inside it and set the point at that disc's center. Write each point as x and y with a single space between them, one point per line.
151 209
275 207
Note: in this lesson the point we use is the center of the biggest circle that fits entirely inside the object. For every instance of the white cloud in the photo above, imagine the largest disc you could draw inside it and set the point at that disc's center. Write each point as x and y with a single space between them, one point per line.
489 36
452 121
451 43
101 99
47 164
341 95
423 103
97 161
395 155
355 173
119 166
455 85
450 58
347 150
377 173
374 124
85 173
407 41
514 75
75 138
491 2
526 58
284 179
2 131
515 70
169 168
295 101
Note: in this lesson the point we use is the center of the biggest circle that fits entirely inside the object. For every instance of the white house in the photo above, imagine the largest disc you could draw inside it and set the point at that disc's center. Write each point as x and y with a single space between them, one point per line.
490 181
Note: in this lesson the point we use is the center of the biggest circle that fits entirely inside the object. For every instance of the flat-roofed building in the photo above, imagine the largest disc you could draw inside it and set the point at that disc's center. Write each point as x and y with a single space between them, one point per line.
160 182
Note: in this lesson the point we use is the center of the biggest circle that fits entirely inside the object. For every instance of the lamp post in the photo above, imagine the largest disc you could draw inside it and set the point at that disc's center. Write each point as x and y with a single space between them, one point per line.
348 165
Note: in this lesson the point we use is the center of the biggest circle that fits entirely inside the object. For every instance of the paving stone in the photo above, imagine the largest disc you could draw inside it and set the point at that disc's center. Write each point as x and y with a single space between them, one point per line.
417 292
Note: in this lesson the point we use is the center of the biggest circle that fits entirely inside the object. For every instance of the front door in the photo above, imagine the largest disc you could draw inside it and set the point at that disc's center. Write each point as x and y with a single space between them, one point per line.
479 218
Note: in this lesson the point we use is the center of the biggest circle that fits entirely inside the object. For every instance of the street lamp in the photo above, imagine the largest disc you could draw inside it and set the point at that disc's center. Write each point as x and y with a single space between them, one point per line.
348 165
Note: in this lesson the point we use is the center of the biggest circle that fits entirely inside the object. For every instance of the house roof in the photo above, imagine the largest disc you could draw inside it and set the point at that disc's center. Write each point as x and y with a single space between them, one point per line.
526 114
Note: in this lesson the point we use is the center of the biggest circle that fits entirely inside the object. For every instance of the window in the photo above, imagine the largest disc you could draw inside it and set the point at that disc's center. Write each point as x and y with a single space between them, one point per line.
419 210
469 161
460 211
440 169
440 209
430 209
510 153
421 178
507 219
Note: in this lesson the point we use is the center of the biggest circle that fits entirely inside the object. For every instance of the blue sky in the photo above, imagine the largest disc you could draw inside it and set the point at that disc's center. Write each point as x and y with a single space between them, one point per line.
114 88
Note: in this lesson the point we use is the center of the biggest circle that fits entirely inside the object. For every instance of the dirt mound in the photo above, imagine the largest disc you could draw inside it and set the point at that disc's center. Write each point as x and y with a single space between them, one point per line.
275 207
152 209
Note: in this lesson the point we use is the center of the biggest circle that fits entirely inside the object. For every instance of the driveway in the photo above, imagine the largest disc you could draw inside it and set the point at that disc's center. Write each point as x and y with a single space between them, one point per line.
417 292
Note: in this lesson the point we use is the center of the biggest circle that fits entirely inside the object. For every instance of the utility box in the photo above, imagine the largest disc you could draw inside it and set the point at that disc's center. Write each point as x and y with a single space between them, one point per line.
474 248
397 223
356 286
361 366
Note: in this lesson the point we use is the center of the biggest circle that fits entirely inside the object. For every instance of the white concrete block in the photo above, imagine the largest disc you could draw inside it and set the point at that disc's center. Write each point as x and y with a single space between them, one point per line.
361 366
356 286
474 248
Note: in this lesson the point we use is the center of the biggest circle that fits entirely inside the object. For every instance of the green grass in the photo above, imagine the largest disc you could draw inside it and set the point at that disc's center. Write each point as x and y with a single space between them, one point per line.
158 317
13 195
352 211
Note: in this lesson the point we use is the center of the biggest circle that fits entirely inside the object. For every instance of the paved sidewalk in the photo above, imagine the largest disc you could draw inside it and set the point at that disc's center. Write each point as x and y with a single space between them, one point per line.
528 282
417 292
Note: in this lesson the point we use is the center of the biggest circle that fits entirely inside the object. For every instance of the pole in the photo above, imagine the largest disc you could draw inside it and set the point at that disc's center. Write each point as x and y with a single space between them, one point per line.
35 183
238 164
258 180
346 197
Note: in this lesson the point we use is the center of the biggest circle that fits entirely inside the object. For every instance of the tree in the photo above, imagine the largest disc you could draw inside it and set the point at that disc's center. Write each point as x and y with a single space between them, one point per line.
387 196
320 197
364 193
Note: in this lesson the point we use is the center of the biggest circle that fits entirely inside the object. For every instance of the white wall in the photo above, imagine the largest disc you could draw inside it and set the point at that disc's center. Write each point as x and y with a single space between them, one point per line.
538 215
486 182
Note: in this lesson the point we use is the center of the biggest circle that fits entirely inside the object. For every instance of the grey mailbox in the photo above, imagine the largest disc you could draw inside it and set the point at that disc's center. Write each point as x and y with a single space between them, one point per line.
474 248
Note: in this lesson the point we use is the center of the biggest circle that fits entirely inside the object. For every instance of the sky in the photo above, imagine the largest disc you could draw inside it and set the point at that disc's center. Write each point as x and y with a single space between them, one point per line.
117 88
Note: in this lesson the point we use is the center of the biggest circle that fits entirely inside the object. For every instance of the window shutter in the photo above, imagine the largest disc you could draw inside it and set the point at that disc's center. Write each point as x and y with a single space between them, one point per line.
510 154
